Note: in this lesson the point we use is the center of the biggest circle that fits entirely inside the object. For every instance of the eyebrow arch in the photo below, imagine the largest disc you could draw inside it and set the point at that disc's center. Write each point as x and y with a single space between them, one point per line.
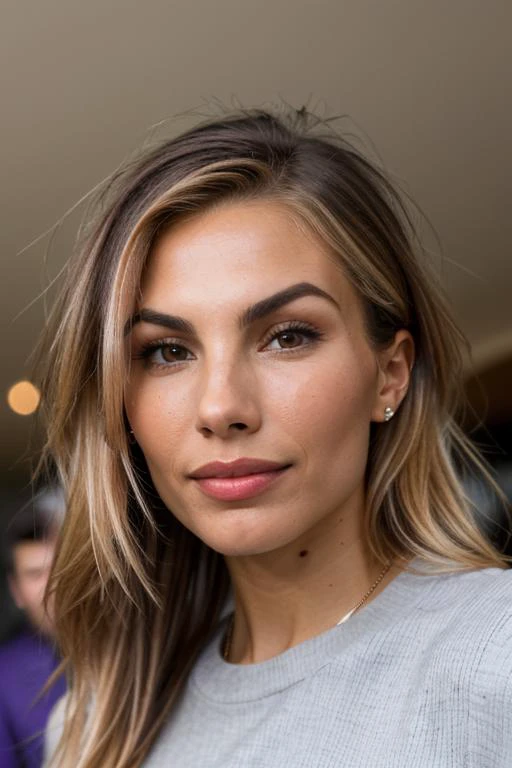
266 306
173 322
255 312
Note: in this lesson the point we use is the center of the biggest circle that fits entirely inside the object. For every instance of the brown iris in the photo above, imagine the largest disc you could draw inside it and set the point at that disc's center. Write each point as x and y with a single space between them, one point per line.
173 353
290 339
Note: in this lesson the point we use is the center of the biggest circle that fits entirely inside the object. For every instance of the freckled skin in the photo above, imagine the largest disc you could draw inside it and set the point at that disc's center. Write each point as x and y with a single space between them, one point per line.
310 408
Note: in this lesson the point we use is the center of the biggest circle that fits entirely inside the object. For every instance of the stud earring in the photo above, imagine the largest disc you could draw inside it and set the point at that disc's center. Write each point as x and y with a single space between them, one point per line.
388 413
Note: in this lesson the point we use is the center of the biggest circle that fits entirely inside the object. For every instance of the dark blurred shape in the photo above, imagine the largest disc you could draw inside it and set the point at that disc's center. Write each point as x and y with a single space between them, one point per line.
29 658
489 424
492 513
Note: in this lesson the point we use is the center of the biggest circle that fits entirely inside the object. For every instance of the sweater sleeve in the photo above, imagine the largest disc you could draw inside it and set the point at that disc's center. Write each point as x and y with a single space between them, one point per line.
494 692
504 758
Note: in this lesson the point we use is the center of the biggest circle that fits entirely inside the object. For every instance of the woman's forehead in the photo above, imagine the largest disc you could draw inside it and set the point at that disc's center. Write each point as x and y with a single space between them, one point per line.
238 252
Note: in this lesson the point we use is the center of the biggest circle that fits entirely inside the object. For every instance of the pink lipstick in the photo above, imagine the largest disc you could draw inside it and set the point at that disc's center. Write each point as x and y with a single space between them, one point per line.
237 480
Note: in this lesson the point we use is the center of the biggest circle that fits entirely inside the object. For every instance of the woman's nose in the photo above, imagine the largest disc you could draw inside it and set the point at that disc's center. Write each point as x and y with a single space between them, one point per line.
228 402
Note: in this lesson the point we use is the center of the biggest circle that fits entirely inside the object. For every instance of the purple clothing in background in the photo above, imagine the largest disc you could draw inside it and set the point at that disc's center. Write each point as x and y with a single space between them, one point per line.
26 662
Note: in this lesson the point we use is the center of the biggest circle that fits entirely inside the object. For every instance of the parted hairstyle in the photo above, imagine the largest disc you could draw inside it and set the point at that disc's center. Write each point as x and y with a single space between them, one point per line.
137 595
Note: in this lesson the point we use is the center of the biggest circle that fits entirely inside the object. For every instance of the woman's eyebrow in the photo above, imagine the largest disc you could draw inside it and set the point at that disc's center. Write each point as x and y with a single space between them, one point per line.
173 322
253 313
272 303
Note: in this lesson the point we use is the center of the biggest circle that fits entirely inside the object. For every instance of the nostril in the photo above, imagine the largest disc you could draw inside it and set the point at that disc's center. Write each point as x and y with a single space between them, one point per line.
225 428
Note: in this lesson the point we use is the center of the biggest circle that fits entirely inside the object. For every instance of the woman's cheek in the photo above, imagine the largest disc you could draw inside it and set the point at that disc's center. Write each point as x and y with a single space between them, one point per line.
154 402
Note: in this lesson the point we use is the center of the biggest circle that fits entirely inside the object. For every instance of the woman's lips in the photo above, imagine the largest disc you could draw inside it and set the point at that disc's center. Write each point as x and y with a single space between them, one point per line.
237 480
238 488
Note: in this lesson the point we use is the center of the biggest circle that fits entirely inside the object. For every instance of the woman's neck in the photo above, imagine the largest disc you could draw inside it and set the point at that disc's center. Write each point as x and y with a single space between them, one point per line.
293 593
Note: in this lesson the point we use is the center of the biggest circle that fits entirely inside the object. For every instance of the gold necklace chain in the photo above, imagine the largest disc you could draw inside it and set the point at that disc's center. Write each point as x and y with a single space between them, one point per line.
366 596
229 634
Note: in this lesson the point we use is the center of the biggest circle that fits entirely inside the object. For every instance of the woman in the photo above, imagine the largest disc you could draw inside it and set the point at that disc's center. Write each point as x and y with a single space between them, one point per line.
250 389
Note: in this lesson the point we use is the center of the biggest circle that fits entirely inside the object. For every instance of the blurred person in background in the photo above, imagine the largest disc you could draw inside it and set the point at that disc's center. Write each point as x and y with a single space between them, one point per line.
28 660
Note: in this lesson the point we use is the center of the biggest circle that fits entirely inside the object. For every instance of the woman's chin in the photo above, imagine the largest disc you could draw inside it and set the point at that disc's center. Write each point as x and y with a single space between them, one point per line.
246 541
242 530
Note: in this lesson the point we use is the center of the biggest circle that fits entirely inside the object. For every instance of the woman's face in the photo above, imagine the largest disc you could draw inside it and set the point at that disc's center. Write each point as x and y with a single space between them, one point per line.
249 355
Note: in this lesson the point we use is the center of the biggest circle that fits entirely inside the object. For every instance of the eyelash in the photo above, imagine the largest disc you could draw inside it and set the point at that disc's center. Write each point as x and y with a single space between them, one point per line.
311 333
296 326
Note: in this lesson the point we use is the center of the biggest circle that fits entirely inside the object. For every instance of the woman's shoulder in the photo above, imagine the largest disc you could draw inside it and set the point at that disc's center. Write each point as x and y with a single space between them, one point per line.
484 594
478 598
457 641
487 605
472 616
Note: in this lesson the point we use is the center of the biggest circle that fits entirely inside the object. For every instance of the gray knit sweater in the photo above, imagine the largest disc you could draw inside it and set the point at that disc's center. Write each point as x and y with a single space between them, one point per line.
419 678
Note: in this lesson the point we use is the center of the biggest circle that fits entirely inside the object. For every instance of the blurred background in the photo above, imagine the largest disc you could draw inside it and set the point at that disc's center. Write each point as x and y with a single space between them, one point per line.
424 87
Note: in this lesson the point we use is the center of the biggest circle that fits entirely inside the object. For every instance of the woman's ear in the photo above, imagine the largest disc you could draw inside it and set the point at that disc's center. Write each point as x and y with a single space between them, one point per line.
395 365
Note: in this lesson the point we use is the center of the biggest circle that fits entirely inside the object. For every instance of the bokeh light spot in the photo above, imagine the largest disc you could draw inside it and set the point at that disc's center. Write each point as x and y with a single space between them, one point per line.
23 398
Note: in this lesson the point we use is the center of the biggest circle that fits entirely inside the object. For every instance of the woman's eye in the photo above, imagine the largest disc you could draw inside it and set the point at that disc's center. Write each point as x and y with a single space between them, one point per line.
164 354
173 353
291 338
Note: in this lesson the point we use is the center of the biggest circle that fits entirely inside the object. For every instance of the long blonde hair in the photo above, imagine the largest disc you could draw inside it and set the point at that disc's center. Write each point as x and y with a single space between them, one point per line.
137 595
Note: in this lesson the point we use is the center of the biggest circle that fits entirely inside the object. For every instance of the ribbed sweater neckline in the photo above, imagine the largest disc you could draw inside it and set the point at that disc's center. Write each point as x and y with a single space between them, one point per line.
218 680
